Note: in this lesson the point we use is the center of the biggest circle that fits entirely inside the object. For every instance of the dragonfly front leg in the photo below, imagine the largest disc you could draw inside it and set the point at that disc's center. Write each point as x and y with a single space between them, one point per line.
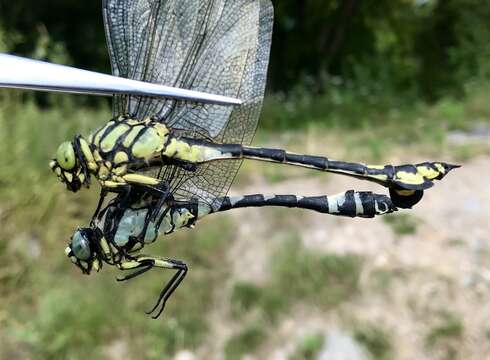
146 183
117 183
103 194
143 263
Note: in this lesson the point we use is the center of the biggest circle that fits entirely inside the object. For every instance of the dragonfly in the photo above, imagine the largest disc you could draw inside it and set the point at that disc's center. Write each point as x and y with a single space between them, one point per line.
175 145
123 228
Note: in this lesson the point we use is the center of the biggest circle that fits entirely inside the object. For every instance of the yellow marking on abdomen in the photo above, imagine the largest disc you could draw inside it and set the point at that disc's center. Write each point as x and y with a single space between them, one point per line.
405 192
428 172
381 177
441 168
376 167
192 153
409 178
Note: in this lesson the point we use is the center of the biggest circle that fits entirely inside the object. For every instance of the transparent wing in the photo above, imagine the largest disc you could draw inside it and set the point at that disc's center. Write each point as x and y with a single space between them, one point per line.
210 46
219 46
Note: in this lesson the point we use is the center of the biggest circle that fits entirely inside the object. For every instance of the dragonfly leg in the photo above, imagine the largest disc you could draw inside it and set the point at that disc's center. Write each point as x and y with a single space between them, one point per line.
141 267
143 263
161 202
152 185
103 194
170 287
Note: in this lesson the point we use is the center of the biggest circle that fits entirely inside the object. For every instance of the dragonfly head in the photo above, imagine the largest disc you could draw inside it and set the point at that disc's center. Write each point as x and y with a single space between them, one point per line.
84 250
69 166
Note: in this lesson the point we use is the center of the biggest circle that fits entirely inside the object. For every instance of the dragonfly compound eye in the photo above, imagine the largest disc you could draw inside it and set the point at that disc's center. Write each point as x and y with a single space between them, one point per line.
80 245
65 156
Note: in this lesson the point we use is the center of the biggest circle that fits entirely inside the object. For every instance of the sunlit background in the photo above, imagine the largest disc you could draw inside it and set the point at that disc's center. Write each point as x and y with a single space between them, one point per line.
377 81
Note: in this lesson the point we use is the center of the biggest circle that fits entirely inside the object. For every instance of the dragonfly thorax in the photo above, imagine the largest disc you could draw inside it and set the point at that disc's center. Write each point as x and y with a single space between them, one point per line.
109 152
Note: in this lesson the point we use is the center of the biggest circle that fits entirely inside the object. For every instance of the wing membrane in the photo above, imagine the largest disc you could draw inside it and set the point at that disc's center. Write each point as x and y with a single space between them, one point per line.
215 46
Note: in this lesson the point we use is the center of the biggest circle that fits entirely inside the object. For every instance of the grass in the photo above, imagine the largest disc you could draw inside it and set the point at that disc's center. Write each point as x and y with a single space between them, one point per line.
309 347
382 279
245 342
319 279
300 276
245 296
375 340
456 242
487 334
446 336
402 224
275 173
450 327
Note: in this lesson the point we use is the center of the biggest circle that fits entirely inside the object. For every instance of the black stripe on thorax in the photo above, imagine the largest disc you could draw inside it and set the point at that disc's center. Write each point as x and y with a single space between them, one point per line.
106 132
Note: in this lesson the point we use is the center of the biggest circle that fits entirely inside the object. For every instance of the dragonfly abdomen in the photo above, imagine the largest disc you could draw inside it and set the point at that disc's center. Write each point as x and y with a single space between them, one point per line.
135 224
407 177
350 203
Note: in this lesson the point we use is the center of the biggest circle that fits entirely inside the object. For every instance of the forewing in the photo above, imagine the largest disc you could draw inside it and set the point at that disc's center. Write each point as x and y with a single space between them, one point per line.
219 47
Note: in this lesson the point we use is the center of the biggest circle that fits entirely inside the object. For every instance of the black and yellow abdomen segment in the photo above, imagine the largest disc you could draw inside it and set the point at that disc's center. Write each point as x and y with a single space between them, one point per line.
406 177
363 204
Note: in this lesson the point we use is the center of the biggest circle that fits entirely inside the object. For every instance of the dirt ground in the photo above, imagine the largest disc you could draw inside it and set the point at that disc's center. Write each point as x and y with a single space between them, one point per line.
442 268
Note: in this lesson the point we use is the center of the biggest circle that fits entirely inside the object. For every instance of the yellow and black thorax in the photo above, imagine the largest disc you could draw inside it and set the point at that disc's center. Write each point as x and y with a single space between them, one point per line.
123 143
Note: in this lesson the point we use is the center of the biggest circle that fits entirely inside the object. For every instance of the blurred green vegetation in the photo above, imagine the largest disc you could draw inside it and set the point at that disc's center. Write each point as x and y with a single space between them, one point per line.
297 274
309 347
447 334
245 342
402 224
375 340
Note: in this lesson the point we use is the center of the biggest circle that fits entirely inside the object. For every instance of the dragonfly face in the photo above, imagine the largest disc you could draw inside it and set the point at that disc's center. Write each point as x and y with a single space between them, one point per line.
67 166
84 251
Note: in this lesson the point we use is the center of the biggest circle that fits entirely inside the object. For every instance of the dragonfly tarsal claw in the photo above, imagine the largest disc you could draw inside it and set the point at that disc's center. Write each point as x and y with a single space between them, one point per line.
169 288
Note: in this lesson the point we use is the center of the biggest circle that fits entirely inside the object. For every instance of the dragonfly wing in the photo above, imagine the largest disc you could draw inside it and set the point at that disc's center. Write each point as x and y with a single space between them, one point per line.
215 46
